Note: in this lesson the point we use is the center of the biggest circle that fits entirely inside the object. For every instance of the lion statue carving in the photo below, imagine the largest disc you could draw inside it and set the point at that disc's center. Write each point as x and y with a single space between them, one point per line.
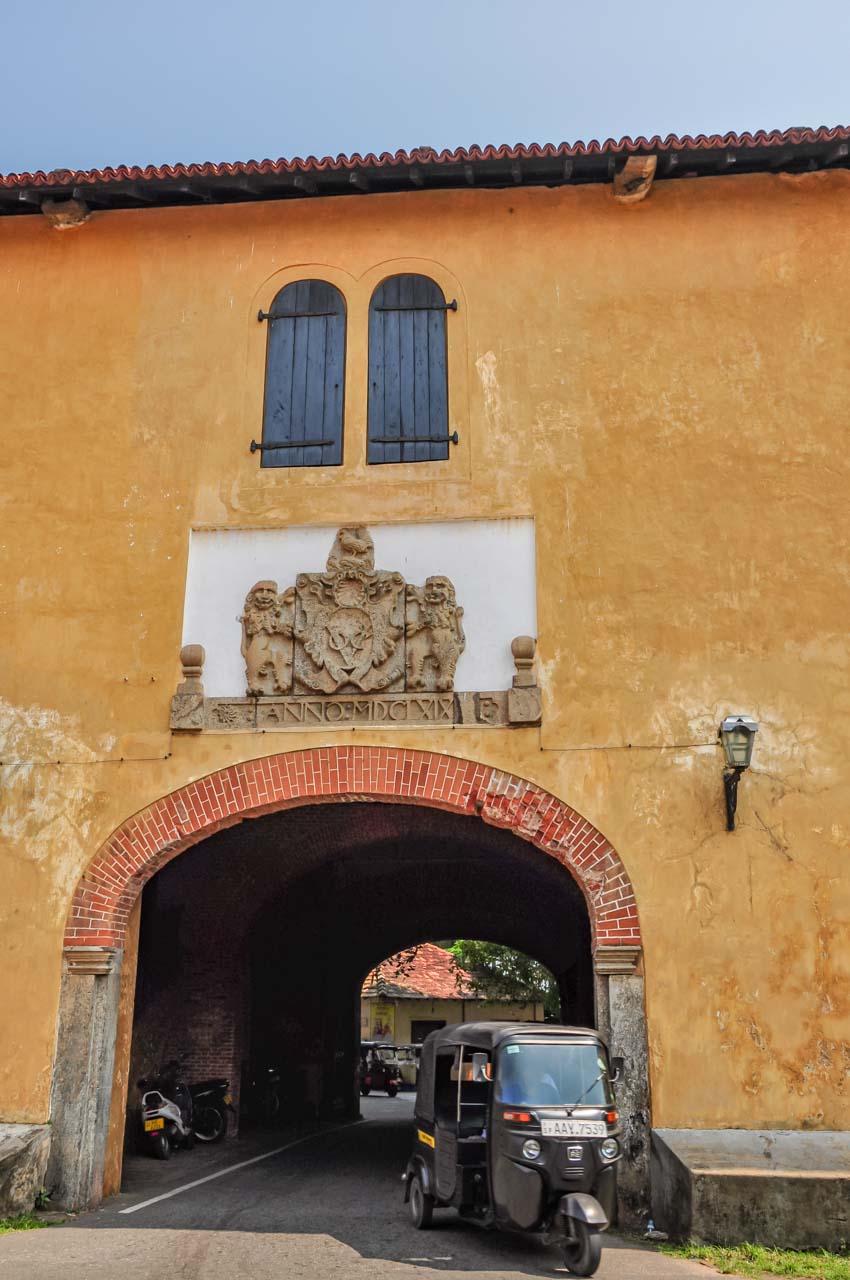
435 638
267 625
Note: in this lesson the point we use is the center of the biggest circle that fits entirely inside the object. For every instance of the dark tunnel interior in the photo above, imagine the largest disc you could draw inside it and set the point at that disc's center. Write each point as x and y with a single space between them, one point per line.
254 943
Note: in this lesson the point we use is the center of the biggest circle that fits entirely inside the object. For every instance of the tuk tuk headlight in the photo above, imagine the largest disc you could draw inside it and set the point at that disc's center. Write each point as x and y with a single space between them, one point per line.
531 1149
609 1149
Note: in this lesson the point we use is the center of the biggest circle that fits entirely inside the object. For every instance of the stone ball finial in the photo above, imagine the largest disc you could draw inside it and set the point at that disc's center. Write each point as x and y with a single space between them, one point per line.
523 648
192 658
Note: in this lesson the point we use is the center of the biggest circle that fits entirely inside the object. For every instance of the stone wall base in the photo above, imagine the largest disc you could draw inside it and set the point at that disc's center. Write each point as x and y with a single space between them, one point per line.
24 1149
773 1187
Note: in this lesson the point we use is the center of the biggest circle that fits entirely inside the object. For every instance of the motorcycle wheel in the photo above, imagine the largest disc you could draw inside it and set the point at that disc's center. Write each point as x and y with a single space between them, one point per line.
582 1256
161 1147
392 1090
421 1205
210 1124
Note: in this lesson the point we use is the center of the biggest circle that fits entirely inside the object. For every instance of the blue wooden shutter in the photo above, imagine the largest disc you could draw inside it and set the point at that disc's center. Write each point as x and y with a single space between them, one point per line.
305 376
408 390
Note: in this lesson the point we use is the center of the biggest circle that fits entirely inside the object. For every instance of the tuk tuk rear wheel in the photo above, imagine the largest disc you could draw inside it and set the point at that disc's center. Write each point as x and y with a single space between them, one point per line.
583 1254
364 1089
421 1204
392 1089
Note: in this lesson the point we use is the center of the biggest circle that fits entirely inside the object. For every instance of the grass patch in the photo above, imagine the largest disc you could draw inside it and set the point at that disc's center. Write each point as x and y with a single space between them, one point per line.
23 1222
756 1260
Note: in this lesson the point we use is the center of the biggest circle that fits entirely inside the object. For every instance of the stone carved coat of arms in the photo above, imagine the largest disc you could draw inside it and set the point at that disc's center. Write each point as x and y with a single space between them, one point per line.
353 628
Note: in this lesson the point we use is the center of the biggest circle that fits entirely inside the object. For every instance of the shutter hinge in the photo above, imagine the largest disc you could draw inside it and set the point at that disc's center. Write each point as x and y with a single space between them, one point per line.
452 439
257 446
295 315
429 306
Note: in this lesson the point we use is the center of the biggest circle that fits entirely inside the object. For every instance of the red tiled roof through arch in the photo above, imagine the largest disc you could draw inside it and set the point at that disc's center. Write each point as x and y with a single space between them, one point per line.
426 972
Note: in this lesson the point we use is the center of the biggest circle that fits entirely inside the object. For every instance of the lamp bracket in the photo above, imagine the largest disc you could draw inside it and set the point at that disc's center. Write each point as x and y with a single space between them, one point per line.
731 778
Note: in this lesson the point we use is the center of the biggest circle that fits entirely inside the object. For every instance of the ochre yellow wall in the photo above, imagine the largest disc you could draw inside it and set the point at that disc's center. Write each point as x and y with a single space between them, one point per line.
663 387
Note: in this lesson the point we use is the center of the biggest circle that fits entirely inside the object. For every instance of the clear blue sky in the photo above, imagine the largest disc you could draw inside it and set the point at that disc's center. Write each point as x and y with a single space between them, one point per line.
90 83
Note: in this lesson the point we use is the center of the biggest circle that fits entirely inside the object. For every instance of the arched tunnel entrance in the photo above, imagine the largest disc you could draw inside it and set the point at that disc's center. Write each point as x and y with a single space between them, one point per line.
254 943
252 920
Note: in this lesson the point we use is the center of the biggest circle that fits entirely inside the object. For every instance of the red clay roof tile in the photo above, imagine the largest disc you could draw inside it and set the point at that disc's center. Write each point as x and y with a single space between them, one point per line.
424 167
431 973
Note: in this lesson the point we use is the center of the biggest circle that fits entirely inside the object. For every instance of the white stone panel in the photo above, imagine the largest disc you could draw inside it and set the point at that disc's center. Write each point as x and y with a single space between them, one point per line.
491 563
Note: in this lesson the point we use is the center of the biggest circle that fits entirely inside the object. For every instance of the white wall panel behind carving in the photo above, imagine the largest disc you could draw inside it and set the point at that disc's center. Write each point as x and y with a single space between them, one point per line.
491 563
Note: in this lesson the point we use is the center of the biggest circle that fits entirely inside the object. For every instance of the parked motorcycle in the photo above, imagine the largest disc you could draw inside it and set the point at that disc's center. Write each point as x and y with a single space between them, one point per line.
211 1101
260 1095
165 1115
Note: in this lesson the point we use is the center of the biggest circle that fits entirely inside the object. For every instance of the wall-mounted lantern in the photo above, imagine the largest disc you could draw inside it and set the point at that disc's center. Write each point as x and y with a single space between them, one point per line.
737 733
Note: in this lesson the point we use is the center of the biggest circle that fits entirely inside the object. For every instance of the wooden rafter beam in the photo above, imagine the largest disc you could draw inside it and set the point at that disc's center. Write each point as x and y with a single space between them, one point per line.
134 190
782 158
192 189
838 153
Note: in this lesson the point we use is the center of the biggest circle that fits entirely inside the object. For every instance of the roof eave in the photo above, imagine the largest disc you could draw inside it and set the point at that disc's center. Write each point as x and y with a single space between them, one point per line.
796 150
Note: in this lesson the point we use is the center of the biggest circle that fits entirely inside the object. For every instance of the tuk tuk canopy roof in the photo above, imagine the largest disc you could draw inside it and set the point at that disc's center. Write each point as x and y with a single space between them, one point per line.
489 1035
484 1037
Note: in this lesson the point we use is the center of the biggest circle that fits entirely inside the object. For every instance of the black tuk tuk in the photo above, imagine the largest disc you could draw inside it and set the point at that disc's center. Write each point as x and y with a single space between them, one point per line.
379 1068
516 1127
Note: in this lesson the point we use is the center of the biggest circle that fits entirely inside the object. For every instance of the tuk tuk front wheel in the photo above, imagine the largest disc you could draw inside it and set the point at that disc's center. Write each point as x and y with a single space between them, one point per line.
421 1205
583 1253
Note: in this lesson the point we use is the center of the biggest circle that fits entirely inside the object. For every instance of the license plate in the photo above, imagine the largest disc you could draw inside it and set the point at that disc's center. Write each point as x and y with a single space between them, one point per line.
573 1128
150 1125
227 1099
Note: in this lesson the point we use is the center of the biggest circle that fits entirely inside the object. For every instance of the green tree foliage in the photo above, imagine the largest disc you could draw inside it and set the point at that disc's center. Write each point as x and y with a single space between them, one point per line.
500 973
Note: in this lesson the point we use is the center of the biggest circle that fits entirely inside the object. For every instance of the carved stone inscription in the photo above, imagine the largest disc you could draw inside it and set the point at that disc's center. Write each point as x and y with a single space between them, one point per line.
380 709
235 715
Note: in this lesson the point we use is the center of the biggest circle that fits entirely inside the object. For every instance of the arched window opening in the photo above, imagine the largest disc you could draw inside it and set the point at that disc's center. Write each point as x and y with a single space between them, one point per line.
408 388
305 376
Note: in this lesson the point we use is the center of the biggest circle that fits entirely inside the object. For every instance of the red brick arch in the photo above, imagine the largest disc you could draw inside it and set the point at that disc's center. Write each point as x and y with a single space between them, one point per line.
143 844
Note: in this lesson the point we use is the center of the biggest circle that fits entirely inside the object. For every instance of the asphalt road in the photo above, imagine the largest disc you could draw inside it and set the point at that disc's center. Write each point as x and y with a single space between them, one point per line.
327 1207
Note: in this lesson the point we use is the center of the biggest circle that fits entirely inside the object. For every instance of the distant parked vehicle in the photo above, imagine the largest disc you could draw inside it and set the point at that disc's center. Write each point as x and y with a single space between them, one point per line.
408 1064
379 1068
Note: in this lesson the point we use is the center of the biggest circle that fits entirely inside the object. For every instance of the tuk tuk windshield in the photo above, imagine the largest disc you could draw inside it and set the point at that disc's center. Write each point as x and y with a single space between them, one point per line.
552 1075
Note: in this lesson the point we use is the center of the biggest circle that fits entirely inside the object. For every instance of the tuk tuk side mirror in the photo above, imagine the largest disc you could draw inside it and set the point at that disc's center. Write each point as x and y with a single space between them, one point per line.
480 1068
617 1065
